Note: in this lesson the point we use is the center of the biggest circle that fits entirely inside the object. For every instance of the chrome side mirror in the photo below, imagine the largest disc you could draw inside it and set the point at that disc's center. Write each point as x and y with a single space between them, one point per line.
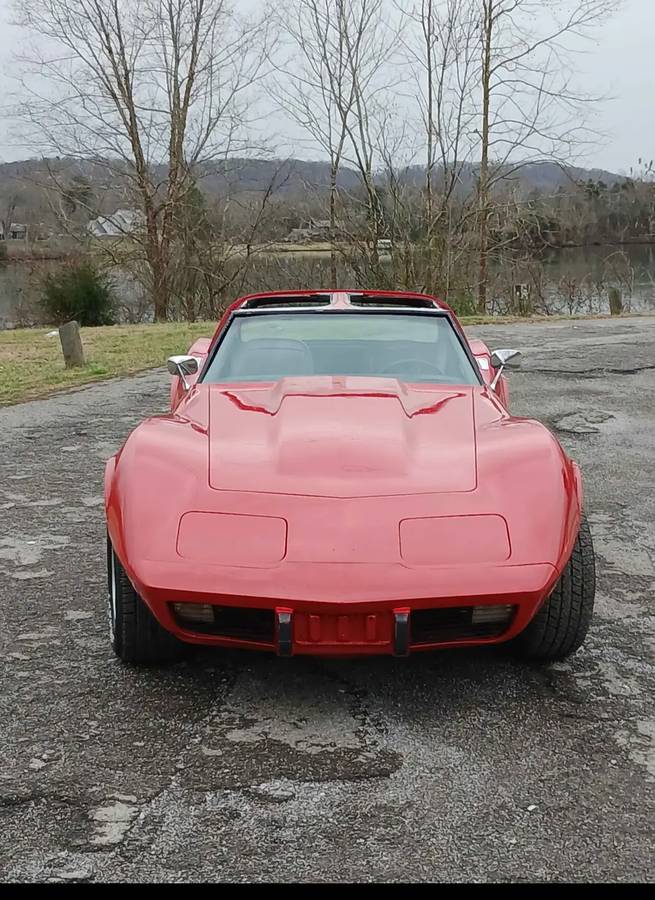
182 366
502 358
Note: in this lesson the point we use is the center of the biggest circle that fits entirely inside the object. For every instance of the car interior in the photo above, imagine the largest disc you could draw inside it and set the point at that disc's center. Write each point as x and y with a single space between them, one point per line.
438 360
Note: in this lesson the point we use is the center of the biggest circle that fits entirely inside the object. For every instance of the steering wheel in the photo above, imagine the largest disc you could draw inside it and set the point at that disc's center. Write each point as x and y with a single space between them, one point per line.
420 364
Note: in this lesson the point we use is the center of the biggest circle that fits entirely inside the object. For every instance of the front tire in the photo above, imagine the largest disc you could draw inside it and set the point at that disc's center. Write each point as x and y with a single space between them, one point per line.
136 636
561 625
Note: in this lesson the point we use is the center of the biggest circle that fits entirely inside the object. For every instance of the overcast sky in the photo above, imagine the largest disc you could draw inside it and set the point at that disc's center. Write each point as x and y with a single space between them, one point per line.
620 64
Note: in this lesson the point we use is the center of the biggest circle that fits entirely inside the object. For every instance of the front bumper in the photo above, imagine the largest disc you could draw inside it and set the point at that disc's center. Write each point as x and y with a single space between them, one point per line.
355 624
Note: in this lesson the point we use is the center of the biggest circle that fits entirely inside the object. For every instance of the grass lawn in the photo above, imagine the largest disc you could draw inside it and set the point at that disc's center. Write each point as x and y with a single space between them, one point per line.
32 364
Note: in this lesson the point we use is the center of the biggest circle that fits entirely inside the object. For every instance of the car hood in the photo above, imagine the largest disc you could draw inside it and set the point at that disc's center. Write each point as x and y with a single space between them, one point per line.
349 472
342 437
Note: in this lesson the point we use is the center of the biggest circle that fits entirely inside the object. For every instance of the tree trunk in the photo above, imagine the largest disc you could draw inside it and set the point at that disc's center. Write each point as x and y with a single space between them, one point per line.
157 264
159 288
483 184
429 199
334 278
484 256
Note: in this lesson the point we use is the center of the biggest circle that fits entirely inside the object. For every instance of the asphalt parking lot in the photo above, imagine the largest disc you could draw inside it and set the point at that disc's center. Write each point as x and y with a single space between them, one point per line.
233 766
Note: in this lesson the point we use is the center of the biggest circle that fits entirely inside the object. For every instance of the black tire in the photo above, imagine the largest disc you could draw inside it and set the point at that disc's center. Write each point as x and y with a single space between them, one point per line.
561 625
136 636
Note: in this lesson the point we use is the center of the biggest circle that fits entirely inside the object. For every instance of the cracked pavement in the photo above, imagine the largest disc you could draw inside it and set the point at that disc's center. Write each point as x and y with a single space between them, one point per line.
233 766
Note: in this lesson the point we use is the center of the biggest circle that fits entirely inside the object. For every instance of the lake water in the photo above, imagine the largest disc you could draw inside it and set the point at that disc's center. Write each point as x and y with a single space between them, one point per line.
586 274
564 281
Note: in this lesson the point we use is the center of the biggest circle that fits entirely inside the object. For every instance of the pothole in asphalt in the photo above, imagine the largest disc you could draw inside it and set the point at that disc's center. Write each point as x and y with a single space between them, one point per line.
640 745
112 822
587 422
299 730
22 550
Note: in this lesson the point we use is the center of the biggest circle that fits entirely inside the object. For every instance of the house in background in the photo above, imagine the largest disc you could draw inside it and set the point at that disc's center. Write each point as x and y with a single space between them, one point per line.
15 232
119 224
313 230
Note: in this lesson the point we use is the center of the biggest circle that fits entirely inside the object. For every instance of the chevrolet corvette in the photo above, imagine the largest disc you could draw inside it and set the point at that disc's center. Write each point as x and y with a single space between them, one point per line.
339 475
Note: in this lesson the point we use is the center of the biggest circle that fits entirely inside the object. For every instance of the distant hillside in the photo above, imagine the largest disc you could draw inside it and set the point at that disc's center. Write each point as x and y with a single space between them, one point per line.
285 175
246 175
545 177
548 176
23 181
295 176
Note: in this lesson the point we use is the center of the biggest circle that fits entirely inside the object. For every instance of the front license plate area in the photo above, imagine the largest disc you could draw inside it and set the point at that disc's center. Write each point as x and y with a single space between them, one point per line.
339 632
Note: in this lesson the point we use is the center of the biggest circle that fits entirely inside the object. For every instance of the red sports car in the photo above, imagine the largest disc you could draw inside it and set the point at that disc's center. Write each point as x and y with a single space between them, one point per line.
339 475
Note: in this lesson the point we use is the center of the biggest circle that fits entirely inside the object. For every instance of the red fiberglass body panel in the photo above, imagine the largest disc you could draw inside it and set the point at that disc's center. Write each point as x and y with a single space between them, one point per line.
342 501
341 437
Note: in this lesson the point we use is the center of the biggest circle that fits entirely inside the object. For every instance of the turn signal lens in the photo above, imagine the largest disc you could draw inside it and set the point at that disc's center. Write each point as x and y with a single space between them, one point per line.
491 614
195 612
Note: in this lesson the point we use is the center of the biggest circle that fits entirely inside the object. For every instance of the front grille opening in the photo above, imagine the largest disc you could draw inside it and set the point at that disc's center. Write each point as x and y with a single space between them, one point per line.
457 623
227 621
413 302
291 302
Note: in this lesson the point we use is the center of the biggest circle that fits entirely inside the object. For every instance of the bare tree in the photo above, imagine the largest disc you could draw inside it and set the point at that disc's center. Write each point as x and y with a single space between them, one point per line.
331 82
216 248
8 209
157 89
370 38
529 105
442 45
313 87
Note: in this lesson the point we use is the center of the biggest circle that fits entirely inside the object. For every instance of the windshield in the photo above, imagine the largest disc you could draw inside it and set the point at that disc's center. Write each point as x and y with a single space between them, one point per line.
414 348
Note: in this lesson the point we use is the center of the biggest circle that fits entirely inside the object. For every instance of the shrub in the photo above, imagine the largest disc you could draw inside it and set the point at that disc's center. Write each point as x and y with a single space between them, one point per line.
463 303
78 292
